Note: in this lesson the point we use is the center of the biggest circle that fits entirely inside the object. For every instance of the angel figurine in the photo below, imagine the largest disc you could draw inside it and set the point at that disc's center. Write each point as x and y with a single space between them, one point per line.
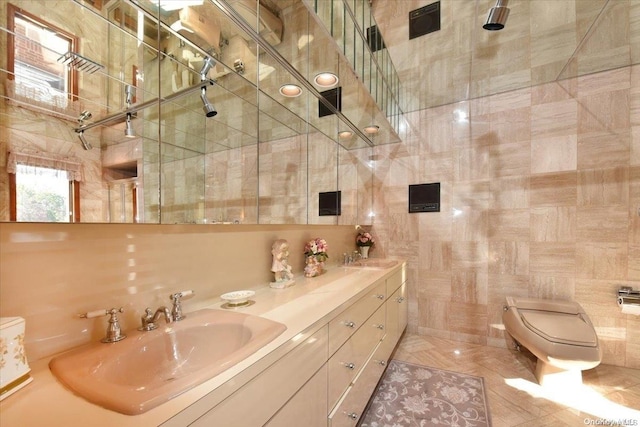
280 265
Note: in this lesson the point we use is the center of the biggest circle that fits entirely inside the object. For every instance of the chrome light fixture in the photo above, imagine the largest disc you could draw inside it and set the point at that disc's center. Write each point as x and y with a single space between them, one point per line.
208 63
85 115
130 93
128 129
85 144
497 16
209 109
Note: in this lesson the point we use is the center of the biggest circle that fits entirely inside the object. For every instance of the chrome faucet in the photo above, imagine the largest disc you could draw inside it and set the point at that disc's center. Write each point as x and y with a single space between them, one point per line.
149 319
114 332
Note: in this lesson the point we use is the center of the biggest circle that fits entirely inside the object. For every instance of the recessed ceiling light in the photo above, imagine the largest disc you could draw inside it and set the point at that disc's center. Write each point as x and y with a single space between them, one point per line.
326 79
372 130
345 134
290 90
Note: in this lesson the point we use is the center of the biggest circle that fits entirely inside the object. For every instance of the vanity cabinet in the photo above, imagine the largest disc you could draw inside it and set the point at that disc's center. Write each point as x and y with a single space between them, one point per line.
353 400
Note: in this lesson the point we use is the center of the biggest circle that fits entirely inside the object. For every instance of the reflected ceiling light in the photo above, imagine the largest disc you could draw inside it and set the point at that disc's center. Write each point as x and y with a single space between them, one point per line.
209 110
290 90
345 134
85 144
372 130
497 16
168 5
326 79
130 93
128 128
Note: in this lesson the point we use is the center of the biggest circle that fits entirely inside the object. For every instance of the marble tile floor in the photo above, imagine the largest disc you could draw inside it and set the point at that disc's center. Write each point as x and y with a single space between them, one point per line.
515 398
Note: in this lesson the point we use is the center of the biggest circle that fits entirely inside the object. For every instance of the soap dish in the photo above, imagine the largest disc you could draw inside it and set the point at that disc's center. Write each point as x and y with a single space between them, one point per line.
237 299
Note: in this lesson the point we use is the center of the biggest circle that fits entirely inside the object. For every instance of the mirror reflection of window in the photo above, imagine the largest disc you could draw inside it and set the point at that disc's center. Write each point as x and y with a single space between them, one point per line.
43 195
33 53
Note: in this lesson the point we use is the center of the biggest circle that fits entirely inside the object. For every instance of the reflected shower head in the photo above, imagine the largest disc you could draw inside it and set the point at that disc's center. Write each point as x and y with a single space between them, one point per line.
128 128
497 17
209 110
85 144
206 66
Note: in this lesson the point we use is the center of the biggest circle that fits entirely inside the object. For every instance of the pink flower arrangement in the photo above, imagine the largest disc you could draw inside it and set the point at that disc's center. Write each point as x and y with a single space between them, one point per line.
364 239
317 248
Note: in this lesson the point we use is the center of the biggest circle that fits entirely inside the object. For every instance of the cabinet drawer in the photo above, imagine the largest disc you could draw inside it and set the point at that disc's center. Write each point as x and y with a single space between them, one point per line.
350 358
395 281
348 413
270 390
347 322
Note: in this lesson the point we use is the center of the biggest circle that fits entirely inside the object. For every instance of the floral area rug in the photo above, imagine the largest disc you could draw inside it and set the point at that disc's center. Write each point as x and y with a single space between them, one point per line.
412 395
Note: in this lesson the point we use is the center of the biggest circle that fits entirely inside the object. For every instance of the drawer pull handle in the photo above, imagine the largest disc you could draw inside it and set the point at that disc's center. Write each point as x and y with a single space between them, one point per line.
352 415
400 299
381 327
383 362
379 296
350 366
350 324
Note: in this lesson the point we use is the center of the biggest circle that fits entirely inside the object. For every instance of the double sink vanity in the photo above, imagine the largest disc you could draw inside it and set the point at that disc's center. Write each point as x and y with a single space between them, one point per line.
308 355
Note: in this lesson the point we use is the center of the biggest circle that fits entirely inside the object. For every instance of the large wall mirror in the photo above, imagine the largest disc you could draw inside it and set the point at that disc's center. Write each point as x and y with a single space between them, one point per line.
173 112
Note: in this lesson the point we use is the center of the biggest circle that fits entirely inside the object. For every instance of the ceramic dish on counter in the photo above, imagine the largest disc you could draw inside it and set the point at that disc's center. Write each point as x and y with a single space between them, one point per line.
237 298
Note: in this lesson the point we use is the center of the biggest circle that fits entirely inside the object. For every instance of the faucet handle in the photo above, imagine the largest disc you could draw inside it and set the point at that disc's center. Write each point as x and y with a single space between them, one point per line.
114 332
176 310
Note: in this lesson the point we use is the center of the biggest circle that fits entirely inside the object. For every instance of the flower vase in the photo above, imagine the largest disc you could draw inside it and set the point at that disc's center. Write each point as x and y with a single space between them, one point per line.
364 252
314 267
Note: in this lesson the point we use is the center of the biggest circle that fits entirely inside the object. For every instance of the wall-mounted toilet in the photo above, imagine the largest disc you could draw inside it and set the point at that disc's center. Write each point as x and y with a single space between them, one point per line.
558 333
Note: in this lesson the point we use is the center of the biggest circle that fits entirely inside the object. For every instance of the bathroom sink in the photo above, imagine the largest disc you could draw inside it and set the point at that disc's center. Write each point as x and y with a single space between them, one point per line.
150 368
374 263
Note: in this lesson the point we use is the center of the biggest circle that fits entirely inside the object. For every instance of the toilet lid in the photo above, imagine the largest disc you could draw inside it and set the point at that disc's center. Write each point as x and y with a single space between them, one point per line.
560 327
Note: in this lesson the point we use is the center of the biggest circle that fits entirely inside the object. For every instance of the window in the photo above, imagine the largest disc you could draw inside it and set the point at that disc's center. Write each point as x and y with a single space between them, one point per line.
34 47
43 188
42 195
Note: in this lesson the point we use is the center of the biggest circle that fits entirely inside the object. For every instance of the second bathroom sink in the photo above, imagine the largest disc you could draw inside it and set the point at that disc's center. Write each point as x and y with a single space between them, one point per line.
150 368
374 263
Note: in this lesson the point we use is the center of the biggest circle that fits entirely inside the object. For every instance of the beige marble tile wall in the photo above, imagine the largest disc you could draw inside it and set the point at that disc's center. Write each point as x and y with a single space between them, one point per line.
51 272
540 198
282 180
231 189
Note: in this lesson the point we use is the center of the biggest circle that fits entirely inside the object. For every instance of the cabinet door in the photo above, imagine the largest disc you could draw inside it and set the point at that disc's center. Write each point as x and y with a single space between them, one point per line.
308 407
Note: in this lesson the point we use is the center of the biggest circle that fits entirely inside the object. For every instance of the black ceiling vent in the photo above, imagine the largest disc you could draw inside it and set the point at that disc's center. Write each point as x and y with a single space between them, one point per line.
334 96
374 38
424 20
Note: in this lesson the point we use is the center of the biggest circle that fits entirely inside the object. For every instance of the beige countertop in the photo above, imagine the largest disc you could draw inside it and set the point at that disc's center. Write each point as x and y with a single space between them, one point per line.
303 308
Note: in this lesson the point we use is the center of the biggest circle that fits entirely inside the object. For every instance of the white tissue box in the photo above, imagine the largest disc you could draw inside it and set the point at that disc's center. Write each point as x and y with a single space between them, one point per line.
14 368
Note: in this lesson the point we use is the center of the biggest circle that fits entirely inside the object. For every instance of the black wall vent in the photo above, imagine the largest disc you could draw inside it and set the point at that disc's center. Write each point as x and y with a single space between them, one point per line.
424 197
334 96
424 20
374 39
330 203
